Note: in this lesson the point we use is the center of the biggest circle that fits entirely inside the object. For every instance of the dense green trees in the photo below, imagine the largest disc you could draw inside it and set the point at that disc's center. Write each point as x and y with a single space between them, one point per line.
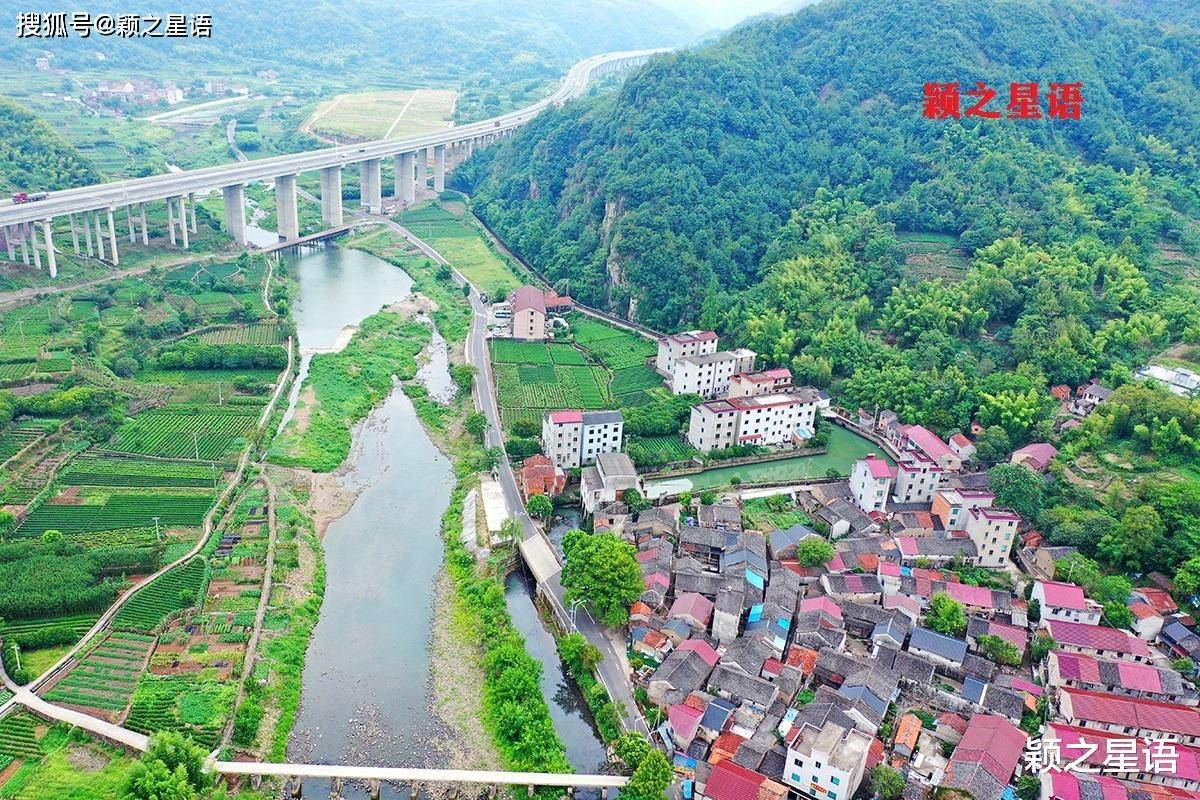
51 579
602 573
198 355
946 615
34 158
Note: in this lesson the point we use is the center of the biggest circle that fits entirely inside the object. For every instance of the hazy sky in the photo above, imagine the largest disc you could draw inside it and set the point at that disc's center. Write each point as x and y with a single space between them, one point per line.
718 13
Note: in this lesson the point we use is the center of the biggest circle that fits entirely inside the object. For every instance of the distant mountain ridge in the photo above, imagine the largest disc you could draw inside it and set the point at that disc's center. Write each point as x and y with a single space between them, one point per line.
675 187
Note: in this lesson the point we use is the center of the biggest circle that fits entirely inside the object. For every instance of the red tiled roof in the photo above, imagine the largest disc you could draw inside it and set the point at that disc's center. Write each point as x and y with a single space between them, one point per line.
684 719
529 297
1186 764
1161 600
869 562
640 609
772 666
1143 610
724 747
961 440
566 417
878 467
928 441
802 657
1064 595
1067 786
1125 711
952 721
993 743
824 603
1095 637
702 648
1017 637
656 579
1039 453
976 596
693 605
874 754
728 781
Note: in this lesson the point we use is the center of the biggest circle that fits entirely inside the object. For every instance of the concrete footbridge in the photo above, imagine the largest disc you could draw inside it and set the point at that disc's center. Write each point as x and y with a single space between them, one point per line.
93 210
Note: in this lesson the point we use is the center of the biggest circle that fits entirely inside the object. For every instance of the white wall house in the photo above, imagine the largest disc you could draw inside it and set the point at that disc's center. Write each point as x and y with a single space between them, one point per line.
679 345
708 375
826 763
871 482
1065 601
529 314
992 530
753 384
917 477
574 438
774 420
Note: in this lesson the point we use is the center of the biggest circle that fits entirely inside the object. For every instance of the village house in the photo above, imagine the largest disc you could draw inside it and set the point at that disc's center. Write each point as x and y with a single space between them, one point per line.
1065 601
826 763
1114 677
1130 716
962 447
573 439
922 440
917 478
528 314
986 758
753 384
993 531
951 506
1096 640
539 475
871 482
775 420
608 480
683 345
1035 456
1182 771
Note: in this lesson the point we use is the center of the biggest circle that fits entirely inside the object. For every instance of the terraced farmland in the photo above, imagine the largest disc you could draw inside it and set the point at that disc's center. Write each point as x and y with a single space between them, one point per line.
195 706
615 347
263 333
18 737
106 677
100 471
80 623
171 592
119 511
209 432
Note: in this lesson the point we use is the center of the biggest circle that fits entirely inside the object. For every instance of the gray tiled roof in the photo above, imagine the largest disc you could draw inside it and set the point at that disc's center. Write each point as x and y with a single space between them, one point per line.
947 647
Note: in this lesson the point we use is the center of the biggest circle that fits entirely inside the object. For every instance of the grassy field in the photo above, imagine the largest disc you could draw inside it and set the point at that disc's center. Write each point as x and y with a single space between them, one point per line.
933 255
382 115
464 245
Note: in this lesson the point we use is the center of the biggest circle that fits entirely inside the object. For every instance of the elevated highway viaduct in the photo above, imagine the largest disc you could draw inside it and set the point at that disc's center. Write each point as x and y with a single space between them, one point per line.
28 228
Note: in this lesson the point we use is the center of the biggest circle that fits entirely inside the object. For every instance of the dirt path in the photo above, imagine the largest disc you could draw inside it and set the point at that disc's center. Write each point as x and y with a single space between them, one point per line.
264 600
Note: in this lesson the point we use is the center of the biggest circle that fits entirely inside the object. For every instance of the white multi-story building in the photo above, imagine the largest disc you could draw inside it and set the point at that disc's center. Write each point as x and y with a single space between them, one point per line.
574 438
606 482
826 763
992 530
917 477
680 345
951 505
1067 601
708 375
773 420
871 482
753 384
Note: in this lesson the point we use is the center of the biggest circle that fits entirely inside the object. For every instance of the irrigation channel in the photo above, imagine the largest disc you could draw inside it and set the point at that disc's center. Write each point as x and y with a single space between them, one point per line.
367 687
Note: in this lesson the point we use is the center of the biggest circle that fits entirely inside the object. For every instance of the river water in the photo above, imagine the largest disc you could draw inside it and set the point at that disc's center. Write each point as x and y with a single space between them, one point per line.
366 684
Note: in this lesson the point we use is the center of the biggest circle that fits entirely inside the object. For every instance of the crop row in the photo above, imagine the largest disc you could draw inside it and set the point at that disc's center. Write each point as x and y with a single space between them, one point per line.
260 334
18 737
628 380
119 511
177 589
208 434
80 623
94 471
197 708
525 386
16 370
106 677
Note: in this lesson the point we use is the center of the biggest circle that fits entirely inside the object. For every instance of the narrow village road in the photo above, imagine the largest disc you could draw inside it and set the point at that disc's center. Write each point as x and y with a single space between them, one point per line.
612 669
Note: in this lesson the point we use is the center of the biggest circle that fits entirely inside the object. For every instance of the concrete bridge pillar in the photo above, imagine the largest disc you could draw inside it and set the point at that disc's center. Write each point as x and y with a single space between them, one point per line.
183 223
8 243
129 222
145 231
423 168
439 168
31 232
285 207
191 198
335 789
87 233
112 238
374 789
171 220
235 211
296 785
74 234
24 243
331 196
405 178
51 258
370 185
99 235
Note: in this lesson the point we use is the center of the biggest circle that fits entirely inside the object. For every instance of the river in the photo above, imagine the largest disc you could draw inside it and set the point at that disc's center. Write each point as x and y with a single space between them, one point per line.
365 696
367 681
844 448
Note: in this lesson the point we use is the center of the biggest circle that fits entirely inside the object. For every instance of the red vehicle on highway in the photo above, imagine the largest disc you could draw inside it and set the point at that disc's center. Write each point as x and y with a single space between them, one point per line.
26 197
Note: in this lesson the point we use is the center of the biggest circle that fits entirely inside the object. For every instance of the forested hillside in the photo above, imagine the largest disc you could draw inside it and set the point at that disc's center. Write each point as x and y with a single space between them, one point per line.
676 187
451 39
33 156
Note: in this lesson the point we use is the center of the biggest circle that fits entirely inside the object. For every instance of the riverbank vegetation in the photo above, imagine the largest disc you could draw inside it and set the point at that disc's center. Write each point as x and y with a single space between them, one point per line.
341 389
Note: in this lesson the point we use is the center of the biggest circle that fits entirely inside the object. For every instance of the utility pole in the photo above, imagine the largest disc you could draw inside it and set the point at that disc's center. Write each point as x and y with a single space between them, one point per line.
157 534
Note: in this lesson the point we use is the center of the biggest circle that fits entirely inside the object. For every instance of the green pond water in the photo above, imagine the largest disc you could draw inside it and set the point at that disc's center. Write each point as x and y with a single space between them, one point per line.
844 448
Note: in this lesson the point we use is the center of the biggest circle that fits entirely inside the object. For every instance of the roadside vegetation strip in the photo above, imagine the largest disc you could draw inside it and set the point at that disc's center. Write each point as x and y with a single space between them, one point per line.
345 386
465 246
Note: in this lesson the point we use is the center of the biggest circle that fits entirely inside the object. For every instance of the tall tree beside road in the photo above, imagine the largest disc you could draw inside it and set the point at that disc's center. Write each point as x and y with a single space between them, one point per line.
602 573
